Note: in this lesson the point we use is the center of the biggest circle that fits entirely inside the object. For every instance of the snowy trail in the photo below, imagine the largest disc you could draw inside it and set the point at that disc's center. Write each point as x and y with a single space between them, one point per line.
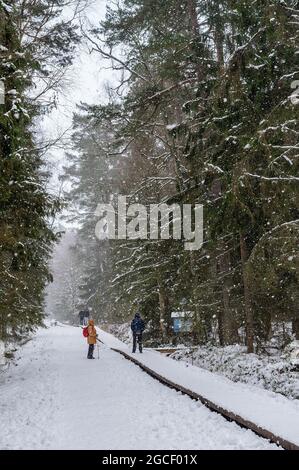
268 410
56 399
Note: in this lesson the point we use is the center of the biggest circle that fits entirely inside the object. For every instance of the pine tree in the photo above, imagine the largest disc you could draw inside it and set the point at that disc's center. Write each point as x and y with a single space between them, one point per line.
25 206
205 114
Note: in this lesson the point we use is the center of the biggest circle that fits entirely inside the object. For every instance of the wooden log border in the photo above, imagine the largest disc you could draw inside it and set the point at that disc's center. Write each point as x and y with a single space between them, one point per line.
229 415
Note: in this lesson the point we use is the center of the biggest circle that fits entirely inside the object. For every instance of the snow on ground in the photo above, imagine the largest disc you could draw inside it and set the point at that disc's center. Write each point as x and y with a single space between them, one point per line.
269 410
272 372
54 398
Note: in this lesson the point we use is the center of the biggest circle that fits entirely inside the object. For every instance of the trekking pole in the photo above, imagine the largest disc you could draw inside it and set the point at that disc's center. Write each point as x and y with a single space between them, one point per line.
98 348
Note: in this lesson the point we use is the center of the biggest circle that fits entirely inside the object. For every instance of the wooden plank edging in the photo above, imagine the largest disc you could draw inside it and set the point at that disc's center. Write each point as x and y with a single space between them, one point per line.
229 415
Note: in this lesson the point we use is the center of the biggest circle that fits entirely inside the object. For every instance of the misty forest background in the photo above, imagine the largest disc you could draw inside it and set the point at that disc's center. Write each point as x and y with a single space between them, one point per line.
205 110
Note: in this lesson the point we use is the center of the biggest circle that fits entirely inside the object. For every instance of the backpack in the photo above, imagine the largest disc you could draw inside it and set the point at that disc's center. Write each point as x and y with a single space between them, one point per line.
85 332
137 326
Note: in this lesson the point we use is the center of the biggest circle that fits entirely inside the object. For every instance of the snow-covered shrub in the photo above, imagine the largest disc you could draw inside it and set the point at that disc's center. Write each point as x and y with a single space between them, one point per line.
122 331
291 353
275 372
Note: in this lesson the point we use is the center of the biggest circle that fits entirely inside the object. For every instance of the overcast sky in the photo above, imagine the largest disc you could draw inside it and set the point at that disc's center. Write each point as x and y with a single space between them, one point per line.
85 82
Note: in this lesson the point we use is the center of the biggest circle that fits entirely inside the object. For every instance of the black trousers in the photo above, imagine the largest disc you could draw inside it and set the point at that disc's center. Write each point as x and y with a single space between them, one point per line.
90 351
137 338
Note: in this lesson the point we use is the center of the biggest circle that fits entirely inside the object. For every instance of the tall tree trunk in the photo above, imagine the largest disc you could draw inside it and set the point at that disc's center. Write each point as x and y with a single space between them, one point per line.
219 313
295 327
193 17
247 298
228 323
195 33
220 328
227 327
164 306
219 39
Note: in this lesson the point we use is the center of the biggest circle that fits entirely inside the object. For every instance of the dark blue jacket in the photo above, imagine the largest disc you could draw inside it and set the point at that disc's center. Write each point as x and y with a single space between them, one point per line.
137 324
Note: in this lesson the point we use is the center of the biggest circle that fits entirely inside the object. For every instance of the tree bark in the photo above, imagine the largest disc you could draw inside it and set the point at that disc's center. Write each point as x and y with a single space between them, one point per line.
220 328
219 40
163 304
228 324
247 298
295 327
195 33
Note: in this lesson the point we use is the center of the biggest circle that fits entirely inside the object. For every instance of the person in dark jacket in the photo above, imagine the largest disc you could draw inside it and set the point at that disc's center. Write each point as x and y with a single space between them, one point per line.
137 327
84 316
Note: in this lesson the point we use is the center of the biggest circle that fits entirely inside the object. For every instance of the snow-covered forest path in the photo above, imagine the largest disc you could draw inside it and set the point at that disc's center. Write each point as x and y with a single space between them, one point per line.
56 399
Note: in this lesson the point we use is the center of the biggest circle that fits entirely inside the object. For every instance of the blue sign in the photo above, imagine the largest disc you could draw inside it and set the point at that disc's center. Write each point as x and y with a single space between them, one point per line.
177 325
